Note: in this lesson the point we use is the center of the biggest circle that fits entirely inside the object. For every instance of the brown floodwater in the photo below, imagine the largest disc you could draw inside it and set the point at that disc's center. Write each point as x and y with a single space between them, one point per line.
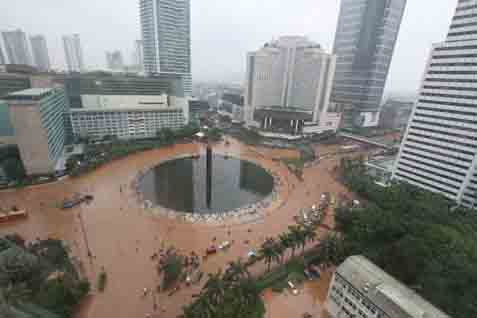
121 236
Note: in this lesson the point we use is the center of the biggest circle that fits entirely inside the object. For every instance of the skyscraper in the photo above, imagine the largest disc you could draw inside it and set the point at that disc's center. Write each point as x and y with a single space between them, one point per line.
16 47
439 150
364 43
139 54
73 53
115 60
40 52
165 26
2 58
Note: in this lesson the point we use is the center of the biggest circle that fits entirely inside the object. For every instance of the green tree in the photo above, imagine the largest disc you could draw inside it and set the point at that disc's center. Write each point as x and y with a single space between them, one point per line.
14 168
269 252
285 241
294 233
11 295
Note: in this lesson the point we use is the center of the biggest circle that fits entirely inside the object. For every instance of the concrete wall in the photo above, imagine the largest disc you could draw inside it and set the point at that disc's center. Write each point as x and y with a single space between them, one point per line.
31 137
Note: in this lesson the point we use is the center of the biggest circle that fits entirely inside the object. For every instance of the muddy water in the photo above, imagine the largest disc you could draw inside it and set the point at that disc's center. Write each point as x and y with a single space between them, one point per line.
122 236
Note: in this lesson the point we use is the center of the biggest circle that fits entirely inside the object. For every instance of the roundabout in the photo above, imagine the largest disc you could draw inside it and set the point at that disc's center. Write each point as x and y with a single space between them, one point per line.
123 232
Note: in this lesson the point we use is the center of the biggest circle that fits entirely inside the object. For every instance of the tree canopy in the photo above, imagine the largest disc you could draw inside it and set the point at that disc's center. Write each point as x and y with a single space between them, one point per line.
417 236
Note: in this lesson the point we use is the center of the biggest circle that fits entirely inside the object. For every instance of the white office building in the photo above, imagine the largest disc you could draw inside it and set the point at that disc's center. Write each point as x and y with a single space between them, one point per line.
73 53
288 87
439 149
165 26
40 52
360 289
16 47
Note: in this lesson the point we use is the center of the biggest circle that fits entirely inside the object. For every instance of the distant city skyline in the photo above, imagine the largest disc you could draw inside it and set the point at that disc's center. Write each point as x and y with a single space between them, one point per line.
220 41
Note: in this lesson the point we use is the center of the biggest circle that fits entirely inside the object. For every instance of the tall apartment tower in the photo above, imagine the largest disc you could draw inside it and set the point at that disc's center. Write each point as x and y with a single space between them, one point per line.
165 26
16 47
364 43
40 52
439 150
73 53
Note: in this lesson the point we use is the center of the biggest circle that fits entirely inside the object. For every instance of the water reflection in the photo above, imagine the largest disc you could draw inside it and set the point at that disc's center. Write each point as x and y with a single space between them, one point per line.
182 184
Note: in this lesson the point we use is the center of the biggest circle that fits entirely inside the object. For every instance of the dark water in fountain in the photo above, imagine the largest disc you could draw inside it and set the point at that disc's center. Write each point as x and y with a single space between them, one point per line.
181 184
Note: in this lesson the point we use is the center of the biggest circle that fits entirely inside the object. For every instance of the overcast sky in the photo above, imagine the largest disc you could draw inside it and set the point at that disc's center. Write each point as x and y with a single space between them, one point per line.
223 30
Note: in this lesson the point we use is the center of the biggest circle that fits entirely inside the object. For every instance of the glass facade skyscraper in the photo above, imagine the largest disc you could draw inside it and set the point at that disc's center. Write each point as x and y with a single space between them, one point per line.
165 26
364 43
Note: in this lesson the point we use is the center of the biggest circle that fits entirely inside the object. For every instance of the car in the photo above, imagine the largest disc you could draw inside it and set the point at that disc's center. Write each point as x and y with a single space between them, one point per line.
211 250
293 288
224 245
252 253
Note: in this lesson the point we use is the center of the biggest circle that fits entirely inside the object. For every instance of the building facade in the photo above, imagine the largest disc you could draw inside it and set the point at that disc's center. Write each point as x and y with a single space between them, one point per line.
139 54
16 47
439 150
165 26
37 116
41 58
2 57
360 289
125 123
364 43
125 106
395 114
291 75
114 60
73 53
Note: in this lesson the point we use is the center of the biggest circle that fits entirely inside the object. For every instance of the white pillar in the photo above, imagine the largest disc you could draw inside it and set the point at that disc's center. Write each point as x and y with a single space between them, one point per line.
296 126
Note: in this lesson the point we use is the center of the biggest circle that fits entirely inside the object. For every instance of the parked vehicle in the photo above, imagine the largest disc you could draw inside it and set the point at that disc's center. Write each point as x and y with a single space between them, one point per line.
211 250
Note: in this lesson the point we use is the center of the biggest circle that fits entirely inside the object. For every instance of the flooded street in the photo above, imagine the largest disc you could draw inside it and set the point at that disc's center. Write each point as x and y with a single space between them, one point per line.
121 235
311 299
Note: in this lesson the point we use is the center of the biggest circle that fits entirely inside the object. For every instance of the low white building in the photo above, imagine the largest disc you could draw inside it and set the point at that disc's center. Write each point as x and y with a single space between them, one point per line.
128 116
360 289
125 123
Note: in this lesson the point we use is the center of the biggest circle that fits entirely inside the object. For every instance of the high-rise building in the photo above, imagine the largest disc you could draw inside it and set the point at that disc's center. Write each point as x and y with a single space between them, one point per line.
165 26
40 52
16 47
2 57
288 85
364 43
115 60
439 150
139 54
37 116
73 53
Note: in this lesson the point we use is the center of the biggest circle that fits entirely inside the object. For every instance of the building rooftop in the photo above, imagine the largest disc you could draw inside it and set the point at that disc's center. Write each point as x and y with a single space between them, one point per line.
30 93
390 295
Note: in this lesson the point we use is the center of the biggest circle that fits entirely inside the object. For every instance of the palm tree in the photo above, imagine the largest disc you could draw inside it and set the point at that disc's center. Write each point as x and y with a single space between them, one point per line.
331 249
269 252
236 271
309 233
285 241
214 289
294 236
